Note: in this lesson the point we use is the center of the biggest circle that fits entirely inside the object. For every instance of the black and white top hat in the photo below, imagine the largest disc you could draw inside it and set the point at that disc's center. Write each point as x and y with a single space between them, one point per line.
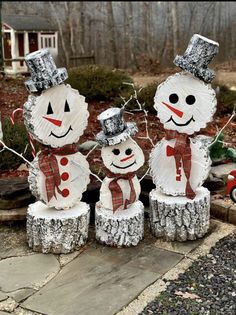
44 73
197 56
114 129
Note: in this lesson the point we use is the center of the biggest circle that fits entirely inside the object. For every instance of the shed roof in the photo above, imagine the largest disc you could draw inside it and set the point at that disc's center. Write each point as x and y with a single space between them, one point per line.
29 23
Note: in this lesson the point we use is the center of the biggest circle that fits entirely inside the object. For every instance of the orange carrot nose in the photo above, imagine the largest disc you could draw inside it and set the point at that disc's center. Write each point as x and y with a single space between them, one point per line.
127 158
53 121
174 110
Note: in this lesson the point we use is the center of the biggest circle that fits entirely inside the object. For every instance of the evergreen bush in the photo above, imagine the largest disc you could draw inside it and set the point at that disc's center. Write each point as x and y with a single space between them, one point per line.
99 83
16 137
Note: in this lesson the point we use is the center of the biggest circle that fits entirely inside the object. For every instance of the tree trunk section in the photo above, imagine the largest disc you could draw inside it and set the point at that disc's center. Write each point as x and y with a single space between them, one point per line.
122 228
178 218
53 231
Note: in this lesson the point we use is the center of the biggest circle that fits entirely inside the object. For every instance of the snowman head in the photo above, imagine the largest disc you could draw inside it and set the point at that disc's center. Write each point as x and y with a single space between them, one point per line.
57 117
123 158
185 103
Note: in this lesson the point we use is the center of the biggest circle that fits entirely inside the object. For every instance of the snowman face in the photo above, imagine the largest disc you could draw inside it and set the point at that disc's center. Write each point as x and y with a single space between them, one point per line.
59 116
185 103
123 158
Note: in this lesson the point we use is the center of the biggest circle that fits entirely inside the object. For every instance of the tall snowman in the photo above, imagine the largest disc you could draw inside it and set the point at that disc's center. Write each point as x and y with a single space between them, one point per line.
119 215
180 162
55 115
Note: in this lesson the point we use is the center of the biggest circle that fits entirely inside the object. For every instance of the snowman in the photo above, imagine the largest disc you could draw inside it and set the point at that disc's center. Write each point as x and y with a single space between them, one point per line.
56 115
56 118
185 103
119 207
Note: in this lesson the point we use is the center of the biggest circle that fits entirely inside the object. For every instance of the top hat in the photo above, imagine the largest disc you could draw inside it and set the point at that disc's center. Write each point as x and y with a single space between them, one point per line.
44 73
197 56
114 129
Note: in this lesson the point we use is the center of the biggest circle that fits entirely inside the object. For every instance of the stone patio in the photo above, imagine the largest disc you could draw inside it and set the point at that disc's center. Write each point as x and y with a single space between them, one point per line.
94 280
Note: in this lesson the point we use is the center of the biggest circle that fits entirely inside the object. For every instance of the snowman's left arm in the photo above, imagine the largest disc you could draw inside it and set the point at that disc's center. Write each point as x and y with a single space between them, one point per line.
144 174
87 170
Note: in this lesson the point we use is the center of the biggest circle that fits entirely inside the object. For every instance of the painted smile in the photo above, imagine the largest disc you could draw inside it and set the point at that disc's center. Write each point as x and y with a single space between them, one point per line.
123 167
180 125
53 134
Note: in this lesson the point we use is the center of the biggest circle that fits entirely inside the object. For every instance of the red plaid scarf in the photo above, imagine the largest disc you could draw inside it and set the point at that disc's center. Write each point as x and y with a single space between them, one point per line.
116 192
181 152
48 165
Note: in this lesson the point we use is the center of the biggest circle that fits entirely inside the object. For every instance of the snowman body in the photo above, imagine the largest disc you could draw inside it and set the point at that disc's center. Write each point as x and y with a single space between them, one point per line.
106 196
73 170
57 118
184 105
123 158
163 167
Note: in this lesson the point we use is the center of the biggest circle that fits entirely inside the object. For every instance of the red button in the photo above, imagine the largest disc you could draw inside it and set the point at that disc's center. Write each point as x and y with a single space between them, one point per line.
64 161
65 192
64 176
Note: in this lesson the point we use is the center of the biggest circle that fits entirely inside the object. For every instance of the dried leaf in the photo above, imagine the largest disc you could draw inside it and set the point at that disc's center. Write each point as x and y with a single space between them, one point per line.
187 295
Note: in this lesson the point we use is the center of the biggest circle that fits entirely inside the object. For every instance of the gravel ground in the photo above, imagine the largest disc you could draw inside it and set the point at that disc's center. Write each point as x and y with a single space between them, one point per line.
207 287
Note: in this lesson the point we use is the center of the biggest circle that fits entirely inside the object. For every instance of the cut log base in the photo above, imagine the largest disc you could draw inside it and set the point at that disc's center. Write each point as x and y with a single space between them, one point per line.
120 229
178 218
58 232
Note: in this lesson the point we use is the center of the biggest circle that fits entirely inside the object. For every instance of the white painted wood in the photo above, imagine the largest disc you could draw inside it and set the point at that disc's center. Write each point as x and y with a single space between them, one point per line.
116 163
195 116
76 184
123 228
51 231
179 218
163 167
13 51
106 196
26 43
71 123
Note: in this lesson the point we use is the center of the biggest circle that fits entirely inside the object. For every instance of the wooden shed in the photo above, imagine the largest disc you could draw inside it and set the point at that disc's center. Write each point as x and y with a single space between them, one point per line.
23 34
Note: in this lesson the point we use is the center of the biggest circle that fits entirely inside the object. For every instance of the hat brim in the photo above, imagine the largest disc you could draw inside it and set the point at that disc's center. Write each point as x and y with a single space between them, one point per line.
38 86
130 130
204 74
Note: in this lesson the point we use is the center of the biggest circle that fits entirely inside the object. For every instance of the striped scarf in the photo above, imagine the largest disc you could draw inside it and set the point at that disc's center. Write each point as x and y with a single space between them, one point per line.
182 153
49 166
116 192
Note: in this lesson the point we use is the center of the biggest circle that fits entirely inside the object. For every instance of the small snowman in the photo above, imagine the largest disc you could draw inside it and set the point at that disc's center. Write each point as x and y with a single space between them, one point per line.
56 115
180 163
119 213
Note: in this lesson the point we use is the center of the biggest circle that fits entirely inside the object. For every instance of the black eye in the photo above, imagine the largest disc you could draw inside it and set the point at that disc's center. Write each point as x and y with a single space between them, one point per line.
116 151
190 99
67 108
173 98
49 111
128 151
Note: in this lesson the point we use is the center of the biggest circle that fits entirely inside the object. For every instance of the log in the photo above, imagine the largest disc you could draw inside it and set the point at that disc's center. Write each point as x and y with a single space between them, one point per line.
179 218
52 231
122 228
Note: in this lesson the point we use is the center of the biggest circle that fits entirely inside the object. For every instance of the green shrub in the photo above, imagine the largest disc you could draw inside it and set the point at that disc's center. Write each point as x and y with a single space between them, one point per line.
225 100
219 152
98 83
16 137
145 96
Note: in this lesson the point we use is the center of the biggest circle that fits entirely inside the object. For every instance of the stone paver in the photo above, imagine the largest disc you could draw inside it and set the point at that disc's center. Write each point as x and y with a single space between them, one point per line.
27 271
13 241
232 214
3 296
221 171
21 294
3 313
102 280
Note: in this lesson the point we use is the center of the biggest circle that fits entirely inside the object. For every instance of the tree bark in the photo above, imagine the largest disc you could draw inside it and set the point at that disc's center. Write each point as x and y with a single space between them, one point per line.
112 31
123 228
53 231
179 218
